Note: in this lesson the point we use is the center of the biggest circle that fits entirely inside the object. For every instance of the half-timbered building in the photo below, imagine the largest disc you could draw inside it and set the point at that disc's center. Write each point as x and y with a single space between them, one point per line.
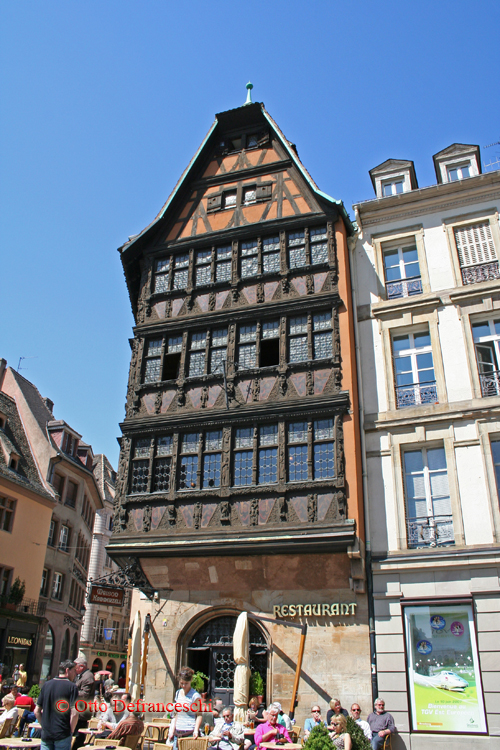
239 483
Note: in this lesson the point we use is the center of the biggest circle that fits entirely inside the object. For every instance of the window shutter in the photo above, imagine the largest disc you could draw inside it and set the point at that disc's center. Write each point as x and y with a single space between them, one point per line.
263 192
214 202
475 244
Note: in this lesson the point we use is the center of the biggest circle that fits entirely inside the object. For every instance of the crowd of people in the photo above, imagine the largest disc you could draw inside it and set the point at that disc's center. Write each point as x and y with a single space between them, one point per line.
271 725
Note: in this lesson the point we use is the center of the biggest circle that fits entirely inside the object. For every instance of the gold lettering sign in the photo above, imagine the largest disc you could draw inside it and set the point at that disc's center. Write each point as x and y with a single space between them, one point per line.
336 609
17 641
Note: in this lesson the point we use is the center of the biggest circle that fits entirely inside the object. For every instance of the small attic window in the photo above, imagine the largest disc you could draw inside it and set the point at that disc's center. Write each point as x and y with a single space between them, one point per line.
3 422
459 172
393 187
250 195
14 461
252 141
229 199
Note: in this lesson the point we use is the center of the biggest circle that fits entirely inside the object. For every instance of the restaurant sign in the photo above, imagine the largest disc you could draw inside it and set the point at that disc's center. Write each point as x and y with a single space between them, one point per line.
106 595
336 609
17 640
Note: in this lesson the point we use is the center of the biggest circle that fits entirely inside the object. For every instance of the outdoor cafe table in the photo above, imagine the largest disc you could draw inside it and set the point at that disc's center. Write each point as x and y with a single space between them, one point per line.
90 732
19 742
286 746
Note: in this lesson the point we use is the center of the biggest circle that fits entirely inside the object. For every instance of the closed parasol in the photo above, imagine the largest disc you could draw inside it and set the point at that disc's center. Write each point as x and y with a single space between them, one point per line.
135 658
241 655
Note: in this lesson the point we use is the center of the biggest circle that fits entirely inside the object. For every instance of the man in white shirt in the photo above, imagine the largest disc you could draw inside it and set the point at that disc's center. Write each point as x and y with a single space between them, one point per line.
356 715
227 734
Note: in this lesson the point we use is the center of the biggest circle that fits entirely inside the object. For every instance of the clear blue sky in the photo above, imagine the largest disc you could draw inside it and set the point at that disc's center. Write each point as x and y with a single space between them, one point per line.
104 103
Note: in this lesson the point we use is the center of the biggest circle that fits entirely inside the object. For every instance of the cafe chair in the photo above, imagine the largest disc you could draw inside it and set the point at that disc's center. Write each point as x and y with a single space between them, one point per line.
93 723
294 732
106 743
161 746
388 742
192 743
5 728
131 741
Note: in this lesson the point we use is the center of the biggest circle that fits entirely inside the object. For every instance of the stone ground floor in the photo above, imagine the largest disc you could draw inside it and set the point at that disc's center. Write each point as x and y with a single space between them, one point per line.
437 622
194 622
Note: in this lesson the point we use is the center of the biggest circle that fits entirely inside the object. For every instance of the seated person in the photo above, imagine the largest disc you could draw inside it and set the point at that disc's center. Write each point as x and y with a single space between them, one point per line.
132 725
217 708
313 721
227 733
356 715
8 702
381 723
106 719
271 731
283 719
119 705
338 735
335 710
253 707
23 700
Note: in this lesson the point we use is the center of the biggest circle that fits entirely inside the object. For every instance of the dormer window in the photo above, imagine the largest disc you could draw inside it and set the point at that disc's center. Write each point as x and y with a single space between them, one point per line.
3 421
459 172
250 195
14 462
229 199
392 187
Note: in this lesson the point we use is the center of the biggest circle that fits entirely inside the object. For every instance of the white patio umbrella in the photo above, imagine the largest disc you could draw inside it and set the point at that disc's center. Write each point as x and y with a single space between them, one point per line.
241 655
135 659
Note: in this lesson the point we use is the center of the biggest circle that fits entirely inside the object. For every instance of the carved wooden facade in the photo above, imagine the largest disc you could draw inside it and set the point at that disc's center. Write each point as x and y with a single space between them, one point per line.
233 439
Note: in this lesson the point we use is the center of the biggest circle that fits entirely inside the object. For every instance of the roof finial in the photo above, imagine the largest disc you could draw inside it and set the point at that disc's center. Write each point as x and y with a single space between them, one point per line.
249 93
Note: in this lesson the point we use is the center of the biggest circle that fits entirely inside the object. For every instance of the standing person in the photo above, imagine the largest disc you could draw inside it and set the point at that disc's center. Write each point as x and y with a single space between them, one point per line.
55 709
85 683
270 731
313 721
186 723
23 676
381 723
335 710
339 736
356 715
15 674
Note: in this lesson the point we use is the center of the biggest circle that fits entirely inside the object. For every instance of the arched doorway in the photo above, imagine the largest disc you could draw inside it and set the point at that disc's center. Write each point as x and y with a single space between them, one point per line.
96 666
65 646
210 651
74 647
48 655
111 667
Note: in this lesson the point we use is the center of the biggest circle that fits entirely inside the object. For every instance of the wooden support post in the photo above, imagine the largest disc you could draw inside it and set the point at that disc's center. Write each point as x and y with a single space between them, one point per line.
298 670
144 669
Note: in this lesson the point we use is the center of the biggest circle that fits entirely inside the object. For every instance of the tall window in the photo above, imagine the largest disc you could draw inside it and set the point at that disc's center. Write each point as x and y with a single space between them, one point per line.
116 632
402 272
57 586
271 254
181 268
268 454
5 578
7 508
52 534
71 493
319 245
414 369
296 243
161 275
162 464
243 456
212 459
140 466
495 452
44 587
258 344
99 630
316 439
249 259
487 343
428 507
64 538
188 461
213 265
476 253
58 484
152 364
207 351
310 337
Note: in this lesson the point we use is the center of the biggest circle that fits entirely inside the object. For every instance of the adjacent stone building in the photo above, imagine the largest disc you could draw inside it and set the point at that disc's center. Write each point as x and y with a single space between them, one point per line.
239 482
427 286
64 464
105 627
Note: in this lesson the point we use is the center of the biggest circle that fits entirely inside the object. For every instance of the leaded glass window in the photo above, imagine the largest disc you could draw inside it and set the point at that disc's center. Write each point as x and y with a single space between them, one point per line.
161 275
218 352
298 349
323 449
140 474
229 199
188 462
243 459
152 369
203 273
296 249
247 349
249 259
181 264
212 459
197 354
223 263
268 454
249 195
174 344
271 254
161 477
297 452
322 335
319 245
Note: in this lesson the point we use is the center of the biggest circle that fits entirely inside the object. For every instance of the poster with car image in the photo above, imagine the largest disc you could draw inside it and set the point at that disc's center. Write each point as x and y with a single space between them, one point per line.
443 669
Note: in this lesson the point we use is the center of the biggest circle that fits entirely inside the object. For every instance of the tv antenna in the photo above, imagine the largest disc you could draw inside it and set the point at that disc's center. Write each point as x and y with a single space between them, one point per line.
494 163
20 360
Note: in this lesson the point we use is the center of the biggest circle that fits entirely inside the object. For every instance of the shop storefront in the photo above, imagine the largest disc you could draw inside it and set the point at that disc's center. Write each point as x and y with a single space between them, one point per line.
19 639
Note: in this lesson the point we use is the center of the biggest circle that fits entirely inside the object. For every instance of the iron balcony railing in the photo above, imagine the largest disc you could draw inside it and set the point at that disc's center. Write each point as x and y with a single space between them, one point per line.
482 272
416 394
433 531
27 606
490 383
403 288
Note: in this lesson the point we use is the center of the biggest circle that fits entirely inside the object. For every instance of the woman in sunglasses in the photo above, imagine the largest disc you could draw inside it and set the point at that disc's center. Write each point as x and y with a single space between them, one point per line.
338 735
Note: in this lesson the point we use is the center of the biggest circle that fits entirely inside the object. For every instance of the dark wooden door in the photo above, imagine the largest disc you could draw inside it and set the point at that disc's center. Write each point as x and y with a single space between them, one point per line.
222 674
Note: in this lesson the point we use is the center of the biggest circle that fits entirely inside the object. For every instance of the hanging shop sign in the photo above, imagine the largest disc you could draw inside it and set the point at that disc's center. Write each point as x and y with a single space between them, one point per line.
111 656
337 609
18 640
443 669
106 595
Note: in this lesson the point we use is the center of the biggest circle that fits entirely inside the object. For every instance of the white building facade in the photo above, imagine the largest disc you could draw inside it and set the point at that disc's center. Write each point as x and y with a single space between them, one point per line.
426 281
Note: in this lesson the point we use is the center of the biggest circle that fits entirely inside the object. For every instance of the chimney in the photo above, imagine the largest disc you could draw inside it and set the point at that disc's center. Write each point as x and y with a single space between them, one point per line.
3 367
49 404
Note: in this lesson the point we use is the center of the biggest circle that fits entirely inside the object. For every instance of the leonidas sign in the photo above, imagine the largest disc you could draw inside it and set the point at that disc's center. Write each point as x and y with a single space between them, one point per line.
104 595
316 610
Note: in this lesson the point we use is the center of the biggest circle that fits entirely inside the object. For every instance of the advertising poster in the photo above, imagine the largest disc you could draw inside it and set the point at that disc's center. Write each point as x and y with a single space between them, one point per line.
443 669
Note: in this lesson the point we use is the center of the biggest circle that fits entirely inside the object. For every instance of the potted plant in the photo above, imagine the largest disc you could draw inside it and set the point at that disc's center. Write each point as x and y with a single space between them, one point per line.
257 686
319 739
16 593
198 682
359 740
